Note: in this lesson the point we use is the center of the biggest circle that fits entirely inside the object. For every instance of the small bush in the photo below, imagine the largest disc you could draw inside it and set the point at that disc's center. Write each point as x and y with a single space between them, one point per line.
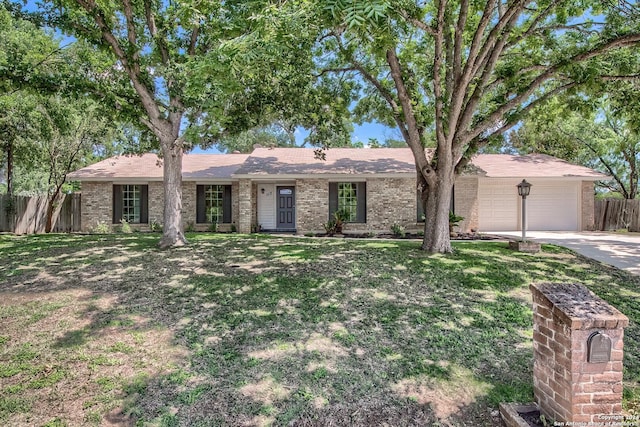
454 220
335 225
155 226
398 230
125 227
101 228
233 228
213 227
191 227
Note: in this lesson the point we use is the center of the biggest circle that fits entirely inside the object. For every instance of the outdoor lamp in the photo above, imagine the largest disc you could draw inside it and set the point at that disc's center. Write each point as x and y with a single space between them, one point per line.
524 188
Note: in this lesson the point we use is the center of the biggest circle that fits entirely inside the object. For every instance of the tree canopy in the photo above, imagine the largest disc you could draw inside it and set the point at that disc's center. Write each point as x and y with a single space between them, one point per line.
454 75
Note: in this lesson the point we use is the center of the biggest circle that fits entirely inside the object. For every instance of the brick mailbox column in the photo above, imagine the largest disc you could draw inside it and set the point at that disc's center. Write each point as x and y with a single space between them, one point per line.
577 351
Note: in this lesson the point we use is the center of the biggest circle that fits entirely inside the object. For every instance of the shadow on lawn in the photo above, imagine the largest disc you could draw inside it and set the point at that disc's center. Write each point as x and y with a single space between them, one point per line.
312 332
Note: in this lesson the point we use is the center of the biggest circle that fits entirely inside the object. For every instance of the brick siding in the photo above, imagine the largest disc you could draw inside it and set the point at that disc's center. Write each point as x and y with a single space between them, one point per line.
96 204
567 387
312 205
588 206
466 203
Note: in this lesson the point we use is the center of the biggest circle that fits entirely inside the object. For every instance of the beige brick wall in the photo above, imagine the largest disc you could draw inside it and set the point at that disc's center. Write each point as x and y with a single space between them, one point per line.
156 202
466 202
245 205
588 206
312 205
389 201
188 203
96 204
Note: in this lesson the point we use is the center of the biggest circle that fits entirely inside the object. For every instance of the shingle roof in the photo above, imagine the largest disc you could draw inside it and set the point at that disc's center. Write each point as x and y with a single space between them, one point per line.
302 161
282 162
532 165
149 166
359 161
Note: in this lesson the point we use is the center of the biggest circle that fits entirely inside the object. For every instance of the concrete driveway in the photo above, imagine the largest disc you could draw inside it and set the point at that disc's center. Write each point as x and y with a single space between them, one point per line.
620 250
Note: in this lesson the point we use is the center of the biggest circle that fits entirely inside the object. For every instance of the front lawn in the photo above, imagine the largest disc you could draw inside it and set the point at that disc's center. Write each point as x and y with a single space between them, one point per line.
259 330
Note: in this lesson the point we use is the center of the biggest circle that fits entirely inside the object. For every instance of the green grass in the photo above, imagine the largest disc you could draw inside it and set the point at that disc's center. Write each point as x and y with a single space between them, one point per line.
261 330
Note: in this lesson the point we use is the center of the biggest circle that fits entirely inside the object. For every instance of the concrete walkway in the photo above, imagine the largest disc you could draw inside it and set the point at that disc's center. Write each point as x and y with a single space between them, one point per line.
620 250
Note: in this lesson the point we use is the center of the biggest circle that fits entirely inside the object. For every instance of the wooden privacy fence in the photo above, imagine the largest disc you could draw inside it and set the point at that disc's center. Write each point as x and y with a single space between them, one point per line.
29 214
616 214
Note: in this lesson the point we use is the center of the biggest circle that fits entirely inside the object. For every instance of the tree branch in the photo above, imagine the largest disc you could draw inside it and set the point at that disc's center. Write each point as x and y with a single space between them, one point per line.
552 71
416 22
414 140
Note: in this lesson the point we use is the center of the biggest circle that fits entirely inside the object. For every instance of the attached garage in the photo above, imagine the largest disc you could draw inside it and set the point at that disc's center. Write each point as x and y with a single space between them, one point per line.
497 206
553 205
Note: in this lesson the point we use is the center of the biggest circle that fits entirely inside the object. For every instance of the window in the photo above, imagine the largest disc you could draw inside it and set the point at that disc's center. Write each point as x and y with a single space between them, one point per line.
348 200
213 201
349 197
130 203
213 204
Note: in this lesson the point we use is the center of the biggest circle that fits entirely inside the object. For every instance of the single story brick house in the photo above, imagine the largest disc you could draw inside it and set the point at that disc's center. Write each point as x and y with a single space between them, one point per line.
289 189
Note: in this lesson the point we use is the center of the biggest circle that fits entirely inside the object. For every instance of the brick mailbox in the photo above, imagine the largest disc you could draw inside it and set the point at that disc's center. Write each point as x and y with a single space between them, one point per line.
577 349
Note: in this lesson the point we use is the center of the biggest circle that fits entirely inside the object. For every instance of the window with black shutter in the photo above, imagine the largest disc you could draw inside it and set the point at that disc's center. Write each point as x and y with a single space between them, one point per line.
131 203
349 197
213 204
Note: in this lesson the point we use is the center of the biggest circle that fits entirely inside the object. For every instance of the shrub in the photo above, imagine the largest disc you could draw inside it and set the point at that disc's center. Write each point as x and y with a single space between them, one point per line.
398 230
191 227
125 227
213 227
155 226
335 225
233 228
454 220
101 228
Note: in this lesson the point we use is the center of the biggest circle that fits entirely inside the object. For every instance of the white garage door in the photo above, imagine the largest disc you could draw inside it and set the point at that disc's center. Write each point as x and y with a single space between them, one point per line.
551 206
498 207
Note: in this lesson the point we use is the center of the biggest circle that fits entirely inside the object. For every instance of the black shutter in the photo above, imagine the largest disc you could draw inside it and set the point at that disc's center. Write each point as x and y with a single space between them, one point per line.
117 204
144 204
361 214
452 205
200 206
333 199
226 205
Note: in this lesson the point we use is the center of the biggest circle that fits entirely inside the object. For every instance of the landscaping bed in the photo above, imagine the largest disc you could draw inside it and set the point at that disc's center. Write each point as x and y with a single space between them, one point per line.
269 330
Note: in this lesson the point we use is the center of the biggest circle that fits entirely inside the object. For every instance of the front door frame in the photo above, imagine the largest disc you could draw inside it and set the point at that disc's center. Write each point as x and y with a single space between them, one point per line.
282 219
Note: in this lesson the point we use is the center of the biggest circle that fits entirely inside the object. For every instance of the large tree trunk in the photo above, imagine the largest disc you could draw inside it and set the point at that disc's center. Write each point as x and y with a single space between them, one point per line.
51 206
436 224
172 230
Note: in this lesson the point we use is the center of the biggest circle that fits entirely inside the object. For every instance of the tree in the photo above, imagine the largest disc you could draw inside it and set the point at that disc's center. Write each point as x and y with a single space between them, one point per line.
599 138
154 48
276 135
462 71
28 56
74 132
